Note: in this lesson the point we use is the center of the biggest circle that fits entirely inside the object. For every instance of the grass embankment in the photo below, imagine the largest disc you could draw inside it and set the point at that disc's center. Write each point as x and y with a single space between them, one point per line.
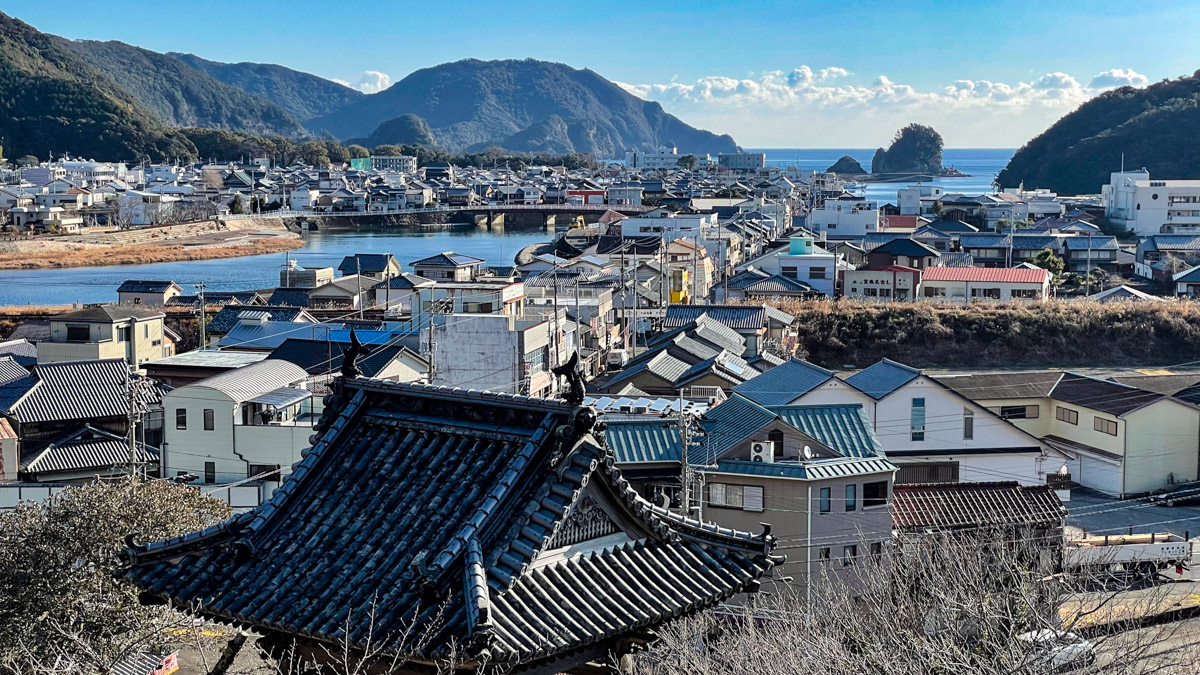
1049 334
96 255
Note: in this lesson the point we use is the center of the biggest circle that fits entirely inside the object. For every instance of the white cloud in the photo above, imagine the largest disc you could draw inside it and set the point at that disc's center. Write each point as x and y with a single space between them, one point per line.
371 81
1118 77
806 107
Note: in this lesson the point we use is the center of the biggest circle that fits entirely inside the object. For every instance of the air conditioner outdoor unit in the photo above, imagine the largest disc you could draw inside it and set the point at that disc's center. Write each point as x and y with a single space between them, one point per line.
762 451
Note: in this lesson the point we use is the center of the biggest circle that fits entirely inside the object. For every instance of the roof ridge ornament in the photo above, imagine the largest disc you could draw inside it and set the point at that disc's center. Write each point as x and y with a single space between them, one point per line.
575 387
350 367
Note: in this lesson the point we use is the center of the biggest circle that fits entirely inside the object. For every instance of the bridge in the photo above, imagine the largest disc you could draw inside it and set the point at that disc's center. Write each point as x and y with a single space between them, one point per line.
484 214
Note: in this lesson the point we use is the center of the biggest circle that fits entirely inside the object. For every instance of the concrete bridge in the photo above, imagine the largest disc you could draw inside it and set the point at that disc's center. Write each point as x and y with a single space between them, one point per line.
484 215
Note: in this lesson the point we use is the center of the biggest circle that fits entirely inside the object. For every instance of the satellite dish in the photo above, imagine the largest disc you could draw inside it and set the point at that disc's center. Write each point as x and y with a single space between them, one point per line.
808 453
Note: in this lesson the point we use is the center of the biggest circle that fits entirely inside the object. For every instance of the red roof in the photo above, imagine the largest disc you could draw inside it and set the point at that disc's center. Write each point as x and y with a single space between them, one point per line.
1006 275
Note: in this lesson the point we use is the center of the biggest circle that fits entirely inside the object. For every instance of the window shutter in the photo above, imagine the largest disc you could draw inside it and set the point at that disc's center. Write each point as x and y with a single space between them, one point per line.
752 498
716 494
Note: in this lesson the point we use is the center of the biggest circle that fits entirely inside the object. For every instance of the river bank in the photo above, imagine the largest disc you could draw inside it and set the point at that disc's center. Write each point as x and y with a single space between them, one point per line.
207 240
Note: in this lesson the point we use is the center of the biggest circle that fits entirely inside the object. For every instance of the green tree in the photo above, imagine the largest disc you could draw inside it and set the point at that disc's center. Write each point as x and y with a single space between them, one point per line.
1047 260
387 150
337 153
235 206
688 162
58 593
357 151
27 160
313 153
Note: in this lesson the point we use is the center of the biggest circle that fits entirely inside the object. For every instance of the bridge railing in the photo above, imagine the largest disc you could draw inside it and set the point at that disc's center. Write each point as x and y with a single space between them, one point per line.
495 208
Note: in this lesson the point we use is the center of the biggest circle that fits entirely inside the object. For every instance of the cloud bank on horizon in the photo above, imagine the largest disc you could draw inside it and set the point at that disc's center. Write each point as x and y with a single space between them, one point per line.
371 81
819 108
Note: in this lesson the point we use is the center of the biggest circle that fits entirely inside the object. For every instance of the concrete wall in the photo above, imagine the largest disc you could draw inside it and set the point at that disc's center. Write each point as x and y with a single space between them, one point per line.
1161 440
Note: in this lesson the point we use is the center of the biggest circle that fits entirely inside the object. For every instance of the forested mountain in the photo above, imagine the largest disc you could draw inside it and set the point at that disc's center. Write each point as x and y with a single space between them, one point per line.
403 130
303 95
180 95
472 103
53 101
1157 127
915 149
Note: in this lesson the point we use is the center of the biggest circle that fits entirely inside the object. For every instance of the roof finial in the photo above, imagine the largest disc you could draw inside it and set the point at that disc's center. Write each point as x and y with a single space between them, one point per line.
575 388
350 358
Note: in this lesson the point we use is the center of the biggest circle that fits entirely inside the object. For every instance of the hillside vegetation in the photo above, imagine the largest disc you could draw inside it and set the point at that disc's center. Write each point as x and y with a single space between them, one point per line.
180 95
1157 127
915 149
403 130
471 104
1050 334
52 101
303 95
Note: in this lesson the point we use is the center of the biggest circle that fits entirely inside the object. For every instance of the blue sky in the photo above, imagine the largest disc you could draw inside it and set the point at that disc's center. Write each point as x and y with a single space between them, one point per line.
783 74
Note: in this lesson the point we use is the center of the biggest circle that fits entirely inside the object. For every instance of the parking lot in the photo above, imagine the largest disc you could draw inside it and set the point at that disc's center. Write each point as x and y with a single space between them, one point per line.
1098 514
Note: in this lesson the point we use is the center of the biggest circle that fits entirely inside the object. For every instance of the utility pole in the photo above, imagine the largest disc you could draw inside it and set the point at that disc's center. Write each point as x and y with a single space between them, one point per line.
133 390
358 277
684 477
1087 271
202 316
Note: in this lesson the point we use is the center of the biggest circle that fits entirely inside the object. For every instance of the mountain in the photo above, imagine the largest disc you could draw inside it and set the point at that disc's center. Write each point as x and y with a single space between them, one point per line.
304 96
846 165
474 103
53 101
403 130
1157 127
915 149
180 95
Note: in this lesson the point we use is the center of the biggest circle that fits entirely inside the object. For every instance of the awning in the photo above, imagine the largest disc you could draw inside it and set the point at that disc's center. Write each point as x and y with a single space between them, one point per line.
282 397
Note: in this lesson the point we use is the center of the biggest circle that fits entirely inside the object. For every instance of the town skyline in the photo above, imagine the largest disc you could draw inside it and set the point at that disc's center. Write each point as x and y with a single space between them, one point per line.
819 77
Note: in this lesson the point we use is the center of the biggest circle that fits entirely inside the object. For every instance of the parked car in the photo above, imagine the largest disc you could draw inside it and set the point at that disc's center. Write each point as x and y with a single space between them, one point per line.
1188 494
617 359
1057 651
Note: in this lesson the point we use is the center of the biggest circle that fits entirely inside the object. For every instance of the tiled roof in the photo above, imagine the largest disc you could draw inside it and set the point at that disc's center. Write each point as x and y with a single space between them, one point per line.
142 286
738 317
108 313
1191 275
906 247
1106 396
1172 242
404 281
22 351
80 390
843 427
448 259
366 263
809 470
971 505
1124 293
10 370
1016 275
88 449
952 226
784 383
777 284
882 378
227 318
644 441
445 511
291 297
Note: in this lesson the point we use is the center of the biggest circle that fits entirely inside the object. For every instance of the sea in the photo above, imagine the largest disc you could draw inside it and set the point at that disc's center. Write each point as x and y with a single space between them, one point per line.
326 249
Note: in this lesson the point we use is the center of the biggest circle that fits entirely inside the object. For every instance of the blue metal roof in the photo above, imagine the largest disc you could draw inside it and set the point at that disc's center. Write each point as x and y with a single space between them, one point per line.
784 383
882 378
810 470
843 427
641 441
730 422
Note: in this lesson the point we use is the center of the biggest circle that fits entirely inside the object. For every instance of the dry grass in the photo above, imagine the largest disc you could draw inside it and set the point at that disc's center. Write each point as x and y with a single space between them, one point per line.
1055 333
98 255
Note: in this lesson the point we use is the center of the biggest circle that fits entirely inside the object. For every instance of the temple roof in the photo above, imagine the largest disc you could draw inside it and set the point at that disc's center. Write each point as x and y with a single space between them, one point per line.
495 523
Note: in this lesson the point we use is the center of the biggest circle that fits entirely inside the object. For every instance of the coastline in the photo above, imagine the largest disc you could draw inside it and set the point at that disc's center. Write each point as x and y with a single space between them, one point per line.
208 240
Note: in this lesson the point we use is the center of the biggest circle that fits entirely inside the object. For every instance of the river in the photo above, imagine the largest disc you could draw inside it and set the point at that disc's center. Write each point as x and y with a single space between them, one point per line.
326 249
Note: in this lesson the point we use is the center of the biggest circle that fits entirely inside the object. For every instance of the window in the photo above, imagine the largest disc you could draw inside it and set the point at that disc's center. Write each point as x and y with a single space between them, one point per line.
263 471
1105 426
851 497
823 553
816 273
917 420
210 472
935 292
877 551
1019 412
968 424
927 472
122 333
849 553
789 272
78 333
146 330
745 497
875 493
181 418
137 301
209 424
1066 415
825 499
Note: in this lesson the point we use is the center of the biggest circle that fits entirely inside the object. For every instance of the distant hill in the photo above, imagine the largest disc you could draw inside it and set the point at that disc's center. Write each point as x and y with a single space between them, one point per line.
303 95
846 165
915 149
1157 127
180 95
403 130
53 101
523 106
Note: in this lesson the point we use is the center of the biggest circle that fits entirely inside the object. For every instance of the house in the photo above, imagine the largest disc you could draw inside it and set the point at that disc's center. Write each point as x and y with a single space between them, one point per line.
1124 293
448 266
499 352
890 283
147 293
374 266
400 294
106 332
969 284
844 218
1086 253
752 322
1187 282
1004 512
816 474
569 541
903 252
84 455
1124 441
224 320
1160 256
802 260
343 292
20 350
752 284
198 364
251 422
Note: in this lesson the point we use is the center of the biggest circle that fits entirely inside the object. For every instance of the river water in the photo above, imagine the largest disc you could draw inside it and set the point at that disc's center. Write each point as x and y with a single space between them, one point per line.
326 249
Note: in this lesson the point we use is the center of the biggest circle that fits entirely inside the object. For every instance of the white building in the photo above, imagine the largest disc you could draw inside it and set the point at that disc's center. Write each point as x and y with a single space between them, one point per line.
665 158
845 218
918 200
498 352
1135 202
398 163
239 424
802 260
970 284
668 225
742 161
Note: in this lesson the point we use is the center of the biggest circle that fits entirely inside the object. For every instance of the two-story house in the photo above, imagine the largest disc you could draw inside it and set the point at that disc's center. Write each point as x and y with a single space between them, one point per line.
147 293
448 266
108 332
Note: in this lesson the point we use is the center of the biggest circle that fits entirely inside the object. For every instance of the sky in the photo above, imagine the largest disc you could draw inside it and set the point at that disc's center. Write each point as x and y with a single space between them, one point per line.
772 74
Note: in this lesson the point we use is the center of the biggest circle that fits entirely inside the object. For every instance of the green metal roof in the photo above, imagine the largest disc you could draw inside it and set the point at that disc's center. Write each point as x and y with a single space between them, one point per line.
643 441
843 427
810 470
